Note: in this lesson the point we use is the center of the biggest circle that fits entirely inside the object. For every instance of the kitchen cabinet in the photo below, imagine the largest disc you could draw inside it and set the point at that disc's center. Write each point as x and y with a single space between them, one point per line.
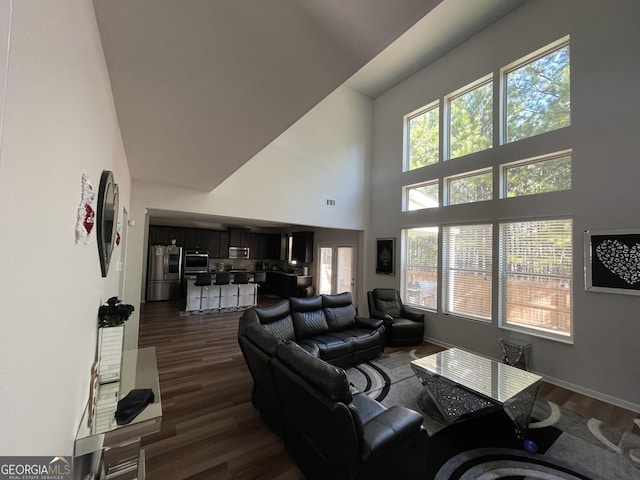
163 235
196 239
239 237
302 247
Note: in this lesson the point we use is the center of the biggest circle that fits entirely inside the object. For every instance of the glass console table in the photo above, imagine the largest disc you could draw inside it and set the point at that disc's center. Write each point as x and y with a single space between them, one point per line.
463 384
105 450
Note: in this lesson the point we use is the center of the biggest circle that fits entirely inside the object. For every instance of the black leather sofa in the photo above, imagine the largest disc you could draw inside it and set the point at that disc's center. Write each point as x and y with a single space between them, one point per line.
326 326
333 433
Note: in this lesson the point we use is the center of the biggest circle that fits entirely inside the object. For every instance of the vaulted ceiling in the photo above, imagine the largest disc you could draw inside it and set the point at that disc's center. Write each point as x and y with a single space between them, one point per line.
201 86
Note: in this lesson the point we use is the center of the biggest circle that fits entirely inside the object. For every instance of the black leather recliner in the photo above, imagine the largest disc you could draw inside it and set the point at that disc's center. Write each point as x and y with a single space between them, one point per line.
403 325
334 434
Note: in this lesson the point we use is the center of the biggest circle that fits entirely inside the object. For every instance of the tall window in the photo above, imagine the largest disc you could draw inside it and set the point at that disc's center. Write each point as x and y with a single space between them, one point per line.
538 94
423 136
536 274
419 282
467 263
471 121
534 286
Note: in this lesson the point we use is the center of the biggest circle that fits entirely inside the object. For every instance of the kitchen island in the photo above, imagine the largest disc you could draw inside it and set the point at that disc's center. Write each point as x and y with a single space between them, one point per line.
217 297
287 285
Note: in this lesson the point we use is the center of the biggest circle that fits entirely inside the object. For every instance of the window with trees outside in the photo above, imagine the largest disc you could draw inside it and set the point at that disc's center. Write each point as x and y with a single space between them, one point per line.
471 120
424 195
422 137
537 93
419 266
470 187
529 266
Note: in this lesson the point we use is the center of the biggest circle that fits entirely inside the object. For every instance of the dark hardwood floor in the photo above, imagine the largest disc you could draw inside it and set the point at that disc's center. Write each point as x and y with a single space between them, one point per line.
210 429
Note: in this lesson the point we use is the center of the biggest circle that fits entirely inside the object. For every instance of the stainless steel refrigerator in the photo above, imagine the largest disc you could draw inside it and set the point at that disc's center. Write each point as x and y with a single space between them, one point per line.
164 273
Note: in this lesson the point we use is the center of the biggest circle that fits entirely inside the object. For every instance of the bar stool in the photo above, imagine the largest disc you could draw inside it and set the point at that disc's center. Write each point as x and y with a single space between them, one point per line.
241 279
258 279
225 290
202 280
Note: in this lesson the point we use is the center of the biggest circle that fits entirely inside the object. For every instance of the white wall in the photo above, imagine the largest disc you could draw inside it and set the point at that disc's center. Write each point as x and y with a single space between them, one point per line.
325 154
59 123
605 141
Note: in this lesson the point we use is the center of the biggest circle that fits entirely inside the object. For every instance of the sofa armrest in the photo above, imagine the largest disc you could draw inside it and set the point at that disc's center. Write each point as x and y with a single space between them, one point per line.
412 315
369 323
389 428
380 315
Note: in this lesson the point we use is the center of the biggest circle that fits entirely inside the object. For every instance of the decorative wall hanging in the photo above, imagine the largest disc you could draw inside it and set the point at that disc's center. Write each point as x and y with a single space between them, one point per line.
612 261
385 249
86 215
107 219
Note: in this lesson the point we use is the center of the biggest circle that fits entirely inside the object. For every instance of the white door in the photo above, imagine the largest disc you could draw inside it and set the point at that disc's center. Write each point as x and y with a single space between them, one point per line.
336 269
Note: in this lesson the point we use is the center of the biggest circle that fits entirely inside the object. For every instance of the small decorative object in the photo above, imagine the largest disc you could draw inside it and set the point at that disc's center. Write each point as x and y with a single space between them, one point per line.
530 446
86 215
114 313
612 261
385 248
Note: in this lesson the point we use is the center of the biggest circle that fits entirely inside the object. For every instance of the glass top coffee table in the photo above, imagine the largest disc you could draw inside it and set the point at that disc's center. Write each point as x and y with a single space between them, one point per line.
462 385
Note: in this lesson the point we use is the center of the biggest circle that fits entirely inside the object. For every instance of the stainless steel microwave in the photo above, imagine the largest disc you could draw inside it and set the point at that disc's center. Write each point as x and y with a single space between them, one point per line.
238 252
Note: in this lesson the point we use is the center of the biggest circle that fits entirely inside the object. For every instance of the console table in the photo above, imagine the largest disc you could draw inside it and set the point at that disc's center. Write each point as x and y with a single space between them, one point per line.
110 451
463 384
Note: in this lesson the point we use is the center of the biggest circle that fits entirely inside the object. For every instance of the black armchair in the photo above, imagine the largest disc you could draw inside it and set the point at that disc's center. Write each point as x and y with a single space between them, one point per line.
403 325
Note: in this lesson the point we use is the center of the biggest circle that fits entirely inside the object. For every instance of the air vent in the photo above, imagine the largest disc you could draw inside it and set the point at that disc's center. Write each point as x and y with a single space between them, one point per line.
330 202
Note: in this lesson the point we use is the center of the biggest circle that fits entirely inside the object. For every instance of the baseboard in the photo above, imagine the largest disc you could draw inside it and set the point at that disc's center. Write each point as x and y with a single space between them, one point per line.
618 402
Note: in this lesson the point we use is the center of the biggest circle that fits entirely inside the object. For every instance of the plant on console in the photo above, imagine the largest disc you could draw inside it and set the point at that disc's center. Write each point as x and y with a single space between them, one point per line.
114 313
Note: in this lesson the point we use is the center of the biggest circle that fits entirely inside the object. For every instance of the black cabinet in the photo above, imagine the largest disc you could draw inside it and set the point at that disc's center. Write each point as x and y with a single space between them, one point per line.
273 247
239 237
302 247
196 239
218 244
163 235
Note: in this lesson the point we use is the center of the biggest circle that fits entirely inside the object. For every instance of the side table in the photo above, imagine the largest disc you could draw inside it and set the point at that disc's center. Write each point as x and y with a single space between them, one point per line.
516 352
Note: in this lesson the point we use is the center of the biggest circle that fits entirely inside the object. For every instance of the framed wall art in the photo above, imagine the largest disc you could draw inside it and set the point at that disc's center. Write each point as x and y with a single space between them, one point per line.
612 261
385 252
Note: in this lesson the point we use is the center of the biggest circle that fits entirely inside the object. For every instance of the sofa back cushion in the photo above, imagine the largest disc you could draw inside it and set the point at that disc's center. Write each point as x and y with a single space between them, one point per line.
327 378
277 320
339 311
267 342
308 317
386 301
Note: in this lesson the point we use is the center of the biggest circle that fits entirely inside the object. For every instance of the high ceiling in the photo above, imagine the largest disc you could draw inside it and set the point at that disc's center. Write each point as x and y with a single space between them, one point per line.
201 86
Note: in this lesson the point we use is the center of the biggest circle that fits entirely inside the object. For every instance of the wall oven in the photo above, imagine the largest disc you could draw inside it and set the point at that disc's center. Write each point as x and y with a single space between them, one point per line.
196 261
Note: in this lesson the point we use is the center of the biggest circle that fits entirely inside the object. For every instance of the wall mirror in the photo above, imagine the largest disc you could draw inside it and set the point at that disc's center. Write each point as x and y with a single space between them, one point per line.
107 219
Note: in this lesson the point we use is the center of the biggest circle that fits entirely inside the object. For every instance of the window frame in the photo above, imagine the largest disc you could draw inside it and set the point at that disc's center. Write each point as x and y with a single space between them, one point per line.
530 161
511 67
446 269
502 300
406 135
406 194
446 123
474 173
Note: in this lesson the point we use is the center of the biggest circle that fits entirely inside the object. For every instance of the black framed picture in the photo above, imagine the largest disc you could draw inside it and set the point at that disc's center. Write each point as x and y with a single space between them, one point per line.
385 251
612 261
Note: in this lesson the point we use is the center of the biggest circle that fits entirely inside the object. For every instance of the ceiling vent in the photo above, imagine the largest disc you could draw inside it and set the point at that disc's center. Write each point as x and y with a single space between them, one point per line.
330 202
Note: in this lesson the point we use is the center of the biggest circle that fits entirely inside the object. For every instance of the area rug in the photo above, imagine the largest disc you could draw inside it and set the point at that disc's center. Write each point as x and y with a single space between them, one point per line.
569 446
